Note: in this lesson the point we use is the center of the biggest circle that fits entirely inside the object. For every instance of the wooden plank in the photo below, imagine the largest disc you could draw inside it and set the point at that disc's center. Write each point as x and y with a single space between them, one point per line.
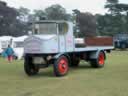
99 41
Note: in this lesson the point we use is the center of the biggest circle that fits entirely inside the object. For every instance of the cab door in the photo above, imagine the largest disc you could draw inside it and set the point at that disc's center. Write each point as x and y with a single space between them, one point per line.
61 35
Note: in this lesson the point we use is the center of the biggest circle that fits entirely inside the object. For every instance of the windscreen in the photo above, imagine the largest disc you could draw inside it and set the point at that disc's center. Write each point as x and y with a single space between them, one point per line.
45 28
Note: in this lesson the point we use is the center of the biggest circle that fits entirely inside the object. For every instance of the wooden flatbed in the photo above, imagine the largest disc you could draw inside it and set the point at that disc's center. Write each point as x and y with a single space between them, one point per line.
93 48
99 41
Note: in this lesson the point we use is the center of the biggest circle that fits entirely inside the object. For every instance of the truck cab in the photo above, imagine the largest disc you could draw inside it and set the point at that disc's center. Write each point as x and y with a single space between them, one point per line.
50 37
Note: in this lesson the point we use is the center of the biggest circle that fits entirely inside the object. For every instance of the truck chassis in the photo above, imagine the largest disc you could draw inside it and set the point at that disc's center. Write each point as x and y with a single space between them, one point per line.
62 61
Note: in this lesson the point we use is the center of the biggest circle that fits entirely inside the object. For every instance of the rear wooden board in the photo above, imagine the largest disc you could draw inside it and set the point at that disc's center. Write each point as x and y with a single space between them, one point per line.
99 41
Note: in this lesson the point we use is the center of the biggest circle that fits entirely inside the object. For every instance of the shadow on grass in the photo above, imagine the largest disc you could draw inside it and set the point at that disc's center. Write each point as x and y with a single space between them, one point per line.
81 67
42 75
50 73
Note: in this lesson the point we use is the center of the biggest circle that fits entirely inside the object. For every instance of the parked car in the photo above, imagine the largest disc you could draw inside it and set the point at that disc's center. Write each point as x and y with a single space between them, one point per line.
121 41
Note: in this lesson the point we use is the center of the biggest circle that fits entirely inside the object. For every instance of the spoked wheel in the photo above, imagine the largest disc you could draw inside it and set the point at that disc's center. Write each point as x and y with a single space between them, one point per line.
61 66
99 62
29 68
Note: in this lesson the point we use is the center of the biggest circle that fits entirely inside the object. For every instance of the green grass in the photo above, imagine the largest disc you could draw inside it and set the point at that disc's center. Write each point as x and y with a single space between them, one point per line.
112 80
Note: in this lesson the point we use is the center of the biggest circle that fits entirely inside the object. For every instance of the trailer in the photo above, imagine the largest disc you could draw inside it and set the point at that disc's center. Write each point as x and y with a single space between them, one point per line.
53 42
18 46
4 42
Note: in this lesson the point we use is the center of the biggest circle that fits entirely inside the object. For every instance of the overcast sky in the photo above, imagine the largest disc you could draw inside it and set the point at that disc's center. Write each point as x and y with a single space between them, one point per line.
93 6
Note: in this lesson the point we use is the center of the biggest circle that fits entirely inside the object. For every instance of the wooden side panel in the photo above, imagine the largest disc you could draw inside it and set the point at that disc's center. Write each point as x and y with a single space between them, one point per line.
99 41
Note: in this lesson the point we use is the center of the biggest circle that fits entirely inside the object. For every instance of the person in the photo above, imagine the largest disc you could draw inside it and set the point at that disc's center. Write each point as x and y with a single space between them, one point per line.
9 52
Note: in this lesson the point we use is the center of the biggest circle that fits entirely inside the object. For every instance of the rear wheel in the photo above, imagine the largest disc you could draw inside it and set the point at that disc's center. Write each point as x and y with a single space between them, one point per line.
29 68
99 62
61 66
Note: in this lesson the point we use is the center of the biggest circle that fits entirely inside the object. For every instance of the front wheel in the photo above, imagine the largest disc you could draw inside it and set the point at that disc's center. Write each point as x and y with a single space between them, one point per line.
99 62
29 68
61 66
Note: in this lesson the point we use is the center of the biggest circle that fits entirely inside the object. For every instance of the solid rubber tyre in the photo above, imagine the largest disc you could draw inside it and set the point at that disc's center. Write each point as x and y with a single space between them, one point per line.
61 66
29 68
99 62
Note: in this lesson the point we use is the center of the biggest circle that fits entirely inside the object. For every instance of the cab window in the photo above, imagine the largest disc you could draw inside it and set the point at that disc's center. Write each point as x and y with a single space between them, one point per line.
45 28
63 28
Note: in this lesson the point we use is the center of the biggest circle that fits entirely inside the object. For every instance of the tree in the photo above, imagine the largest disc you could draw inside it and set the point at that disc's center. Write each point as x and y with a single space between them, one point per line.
23 14
13 21
110 5
112 1
7 19
40 14
86 23
115 20
108 24
56 12
37 15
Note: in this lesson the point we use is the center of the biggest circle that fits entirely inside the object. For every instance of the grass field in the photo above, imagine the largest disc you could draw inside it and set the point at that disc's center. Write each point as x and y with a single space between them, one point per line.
112 80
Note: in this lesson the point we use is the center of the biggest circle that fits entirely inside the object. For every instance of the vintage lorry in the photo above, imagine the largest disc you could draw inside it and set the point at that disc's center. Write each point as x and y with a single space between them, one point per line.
53 42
